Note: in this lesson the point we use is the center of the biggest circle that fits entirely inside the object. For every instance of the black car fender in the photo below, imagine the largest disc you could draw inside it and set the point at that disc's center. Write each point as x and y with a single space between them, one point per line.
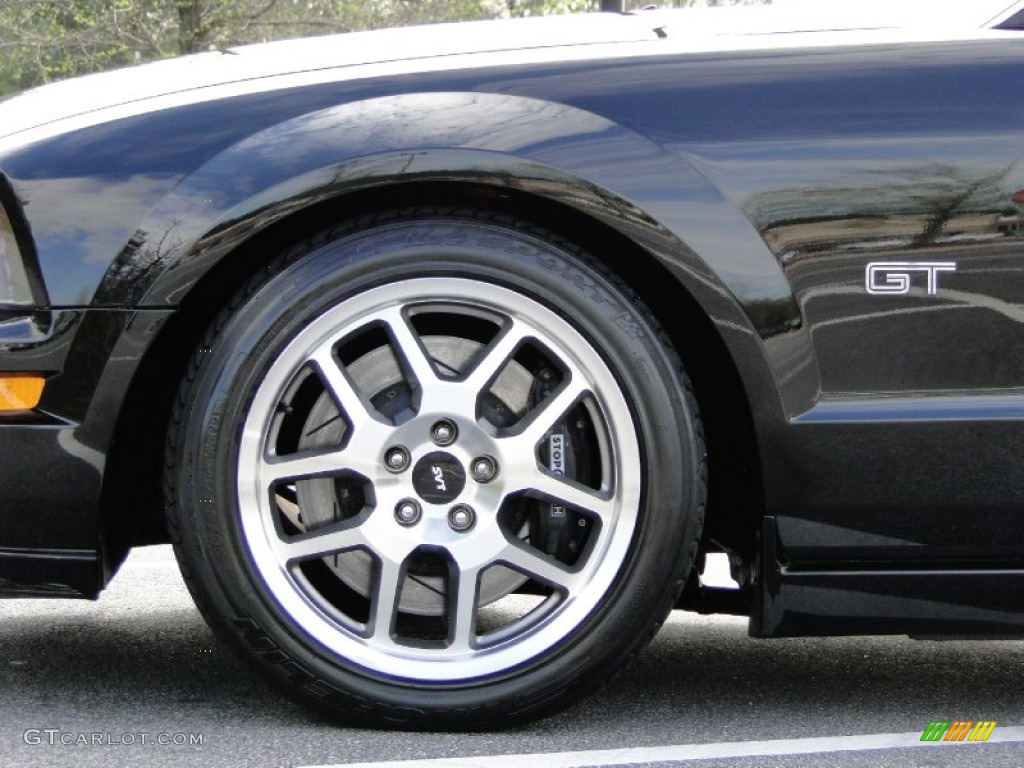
550 151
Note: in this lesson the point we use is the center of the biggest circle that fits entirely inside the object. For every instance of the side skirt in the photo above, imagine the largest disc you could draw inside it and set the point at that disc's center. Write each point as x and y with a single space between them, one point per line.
877 601
49 573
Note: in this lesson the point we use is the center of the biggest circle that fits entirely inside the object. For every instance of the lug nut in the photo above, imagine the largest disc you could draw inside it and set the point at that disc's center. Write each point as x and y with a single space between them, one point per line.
408 512
483 469
397 458
443 432
461 518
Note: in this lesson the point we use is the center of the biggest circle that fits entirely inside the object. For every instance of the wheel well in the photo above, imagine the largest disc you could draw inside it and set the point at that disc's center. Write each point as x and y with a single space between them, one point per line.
133 504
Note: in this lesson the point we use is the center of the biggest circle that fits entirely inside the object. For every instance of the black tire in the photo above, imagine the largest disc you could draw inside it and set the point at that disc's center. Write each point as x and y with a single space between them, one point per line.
297 571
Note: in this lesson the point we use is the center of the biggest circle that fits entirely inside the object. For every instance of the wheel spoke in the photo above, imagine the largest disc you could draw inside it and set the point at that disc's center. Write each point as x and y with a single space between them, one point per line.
552 411
571 494
536 564
346 396
409 348
320 543
463 608
385 599
495 356
316 464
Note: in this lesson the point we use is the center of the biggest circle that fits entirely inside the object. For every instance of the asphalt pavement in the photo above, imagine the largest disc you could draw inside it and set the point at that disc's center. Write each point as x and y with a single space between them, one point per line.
137 679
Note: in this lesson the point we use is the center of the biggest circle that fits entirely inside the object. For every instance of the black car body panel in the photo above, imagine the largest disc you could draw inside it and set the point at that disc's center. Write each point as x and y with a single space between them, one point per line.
760 182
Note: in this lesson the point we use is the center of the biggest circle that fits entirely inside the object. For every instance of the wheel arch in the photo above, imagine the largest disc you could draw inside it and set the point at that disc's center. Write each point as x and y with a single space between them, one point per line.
133 478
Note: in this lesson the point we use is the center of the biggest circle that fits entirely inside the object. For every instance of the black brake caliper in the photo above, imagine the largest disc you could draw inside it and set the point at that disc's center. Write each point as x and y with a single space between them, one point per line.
556 530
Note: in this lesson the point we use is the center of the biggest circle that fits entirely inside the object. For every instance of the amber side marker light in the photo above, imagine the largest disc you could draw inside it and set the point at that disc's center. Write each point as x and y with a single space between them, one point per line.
20 391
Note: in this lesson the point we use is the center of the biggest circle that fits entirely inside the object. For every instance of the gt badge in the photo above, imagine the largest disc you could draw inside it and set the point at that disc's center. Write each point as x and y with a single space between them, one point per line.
894 277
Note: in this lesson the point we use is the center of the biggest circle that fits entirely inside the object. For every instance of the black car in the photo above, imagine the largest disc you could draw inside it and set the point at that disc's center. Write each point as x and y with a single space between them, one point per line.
445 356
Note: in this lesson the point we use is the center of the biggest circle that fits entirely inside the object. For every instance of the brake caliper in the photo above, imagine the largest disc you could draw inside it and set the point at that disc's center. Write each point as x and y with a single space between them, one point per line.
559 531
553 522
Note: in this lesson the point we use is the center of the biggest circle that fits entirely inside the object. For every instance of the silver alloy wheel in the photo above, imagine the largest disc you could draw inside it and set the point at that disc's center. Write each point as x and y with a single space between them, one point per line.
280 549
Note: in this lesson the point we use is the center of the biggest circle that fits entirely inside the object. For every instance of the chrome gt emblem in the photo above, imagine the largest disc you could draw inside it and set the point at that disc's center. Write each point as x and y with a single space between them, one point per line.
894 277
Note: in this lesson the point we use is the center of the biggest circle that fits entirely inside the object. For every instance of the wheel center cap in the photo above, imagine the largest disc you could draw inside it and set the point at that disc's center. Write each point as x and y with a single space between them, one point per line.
438 478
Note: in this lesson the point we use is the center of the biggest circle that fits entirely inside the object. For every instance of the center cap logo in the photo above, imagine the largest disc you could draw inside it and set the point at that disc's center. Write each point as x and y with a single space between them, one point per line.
438 478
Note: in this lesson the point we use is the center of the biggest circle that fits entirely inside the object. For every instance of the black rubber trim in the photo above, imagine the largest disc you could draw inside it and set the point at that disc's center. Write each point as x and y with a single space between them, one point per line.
26 245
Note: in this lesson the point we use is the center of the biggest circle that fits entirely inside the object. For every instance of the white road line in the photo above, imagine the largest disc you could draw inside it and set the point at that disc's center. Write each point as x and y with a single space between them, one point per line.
685 752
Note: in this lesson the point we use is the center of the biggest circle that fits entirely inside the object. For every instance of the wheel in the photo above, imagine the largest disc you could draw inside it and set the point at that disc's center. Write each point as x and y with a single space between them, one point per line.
435 472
